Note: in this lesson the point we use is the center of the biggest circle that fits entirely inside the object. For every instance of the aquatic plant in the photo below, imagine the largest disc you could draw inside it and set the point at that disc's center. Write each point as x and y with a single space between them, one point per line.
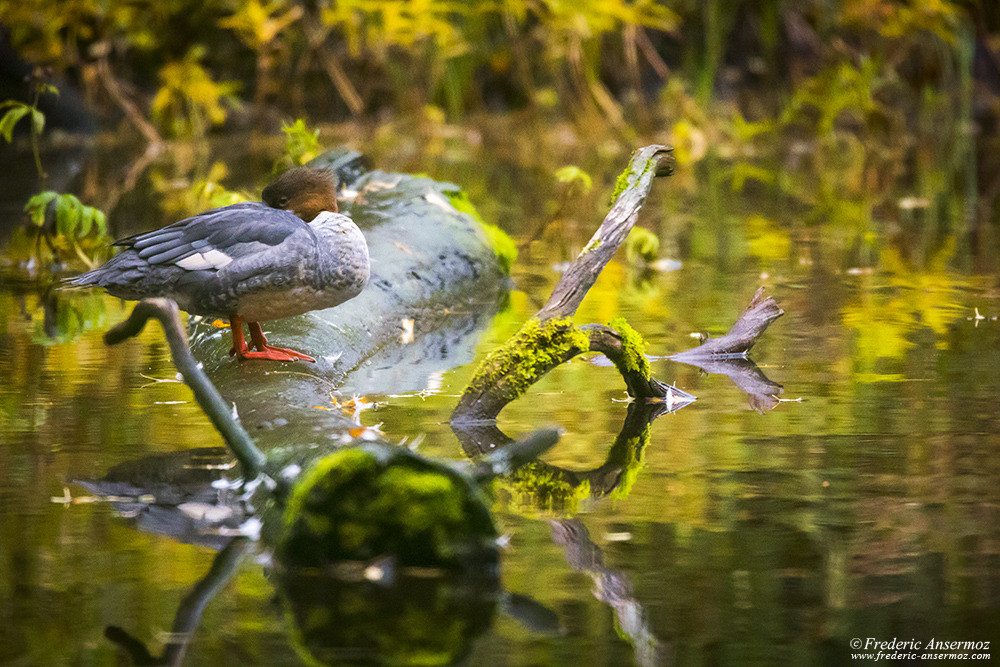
16 110
301 144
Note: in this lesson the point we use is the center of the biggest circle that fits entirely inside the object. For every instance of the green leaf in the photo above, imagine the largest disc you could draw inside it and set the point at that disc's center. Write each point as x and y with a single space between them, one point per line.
67 214
101 222
10 119
86 220
36 206
37 121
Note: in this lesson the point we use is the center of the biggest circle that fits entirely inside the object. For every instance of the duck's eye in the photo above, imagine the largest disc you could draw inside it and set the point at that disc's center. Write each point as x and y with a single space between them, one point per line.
282 201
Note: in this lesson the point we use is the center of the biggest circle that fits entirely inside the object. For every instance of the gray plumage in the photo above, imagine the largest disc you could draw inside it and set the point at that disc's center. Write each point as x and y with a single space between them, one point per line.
249 260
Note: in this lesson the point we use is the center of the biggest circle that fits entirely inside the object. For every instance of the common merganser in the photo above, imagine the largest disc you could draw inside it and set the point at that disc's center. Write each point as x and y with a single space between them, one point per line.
285 256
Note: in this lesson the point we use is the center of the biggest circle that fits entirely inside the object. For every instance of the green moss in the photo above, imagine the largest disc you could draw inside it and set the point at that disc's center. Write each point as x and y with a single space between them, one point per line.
620 185
534 350
624 179
360 503
642 246
633 349
328 473
545 488
633 449
503 245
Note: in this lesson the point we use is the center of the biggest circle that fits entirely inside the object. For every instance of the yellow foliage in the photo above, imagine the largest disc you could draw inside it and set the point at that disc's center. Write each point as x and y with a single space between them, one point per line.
884 320
189 101
257 24
689 142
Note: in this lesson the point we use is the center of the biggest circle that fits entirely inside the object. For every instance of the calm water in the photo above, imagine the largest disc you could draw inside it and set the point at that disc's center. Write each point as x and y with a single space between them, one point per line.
867 505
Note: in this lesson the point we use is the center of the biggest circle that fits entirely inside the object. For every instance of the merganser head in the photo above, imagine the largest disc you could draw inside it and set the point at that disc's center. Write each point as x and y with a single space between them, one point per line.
303 191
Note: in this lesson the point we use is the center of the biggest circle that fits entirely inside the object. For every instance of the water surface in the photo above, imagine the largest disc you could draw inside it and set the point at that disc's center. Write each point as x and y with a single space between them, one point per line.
867 504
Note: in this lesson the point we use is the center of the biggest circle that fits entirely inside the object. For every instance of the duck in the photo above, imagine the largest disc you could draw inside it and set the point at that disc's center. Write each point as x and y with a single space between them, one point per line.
250 262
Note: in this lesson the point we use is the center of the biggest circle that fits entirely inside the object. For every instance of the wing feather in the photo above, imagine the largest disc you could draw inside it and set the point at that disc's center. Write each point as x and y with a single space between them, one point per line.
213 239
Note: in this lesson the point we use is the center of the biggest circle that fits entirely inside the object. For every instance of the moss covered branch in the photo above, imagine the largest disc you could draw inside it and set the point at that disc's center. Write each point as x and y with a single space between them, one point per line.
550 338
537 348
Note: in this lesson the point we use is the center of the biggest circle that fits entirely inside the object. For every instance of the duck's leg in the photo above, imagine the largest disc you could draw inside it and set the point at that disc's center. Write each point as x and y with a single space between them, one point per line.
266 351
263 350
239 343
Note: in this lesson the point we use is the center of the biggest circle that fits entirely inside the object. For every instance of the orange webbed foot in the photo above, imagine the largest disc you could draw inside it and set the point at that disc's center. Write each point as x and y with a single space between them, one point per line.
274 354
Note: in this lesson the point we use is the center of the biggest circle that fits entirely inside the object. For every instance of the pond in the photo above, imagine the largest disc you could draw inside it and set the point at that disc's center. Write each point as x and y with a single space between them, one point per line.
865 504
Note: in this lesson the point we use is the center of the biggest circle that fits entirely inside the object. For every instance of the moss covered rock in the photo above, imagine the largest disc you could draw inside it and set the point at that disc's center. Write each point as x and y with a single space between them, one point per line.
379 500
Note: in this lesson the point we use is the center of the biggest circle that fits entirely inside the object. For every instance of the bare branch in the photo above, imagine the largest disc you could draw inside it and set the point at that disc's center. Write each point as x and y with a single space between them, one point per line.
754 320
634 185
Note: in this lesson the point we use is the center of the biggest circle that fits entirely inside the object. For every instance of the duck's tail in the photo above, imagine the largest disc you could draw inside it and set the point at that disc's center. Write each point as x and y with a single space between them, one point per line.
89 279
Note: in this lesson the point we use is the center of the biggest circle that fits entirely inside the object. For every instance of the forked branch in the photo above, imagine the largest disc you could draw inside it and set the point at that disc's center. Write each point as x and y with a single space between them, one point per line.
550 338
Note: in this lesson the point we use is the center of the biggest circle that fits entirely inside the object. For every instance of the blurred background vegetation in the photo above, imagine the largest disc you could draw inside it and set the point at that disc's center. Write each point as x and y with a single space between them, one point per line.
834 107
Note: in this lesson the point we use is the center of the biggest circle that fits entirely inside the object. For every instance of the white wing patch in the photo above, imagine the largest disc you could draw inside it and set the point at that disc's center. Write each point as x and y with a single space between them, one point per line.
202 261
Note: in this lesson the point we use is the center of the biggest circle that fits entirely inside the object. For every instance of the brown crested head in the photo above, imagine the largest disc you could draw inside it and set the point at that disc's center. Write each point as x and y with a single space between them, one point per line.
303 191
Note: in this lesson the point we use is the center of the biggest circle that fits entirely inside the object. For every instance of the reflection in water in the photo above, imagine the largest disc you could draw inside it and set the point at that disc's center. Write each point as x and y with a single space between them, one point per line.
872 509
415 603
188 616
612 587
175 495
540 484
762 393
418 620
728 354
